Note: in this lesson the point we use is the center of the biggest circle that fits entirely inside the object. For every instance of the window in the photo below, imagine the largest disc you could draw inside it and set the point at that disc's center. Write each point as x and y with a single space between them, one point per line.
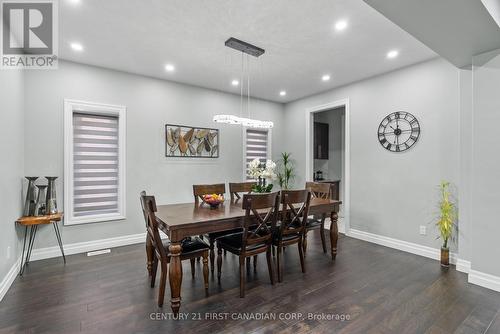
257 145
94 171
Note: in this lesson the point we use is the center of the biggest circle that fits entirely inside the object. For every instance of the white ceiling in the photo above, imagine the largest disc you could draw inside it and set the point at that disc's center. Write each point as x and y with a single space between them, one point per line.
301 44
455 29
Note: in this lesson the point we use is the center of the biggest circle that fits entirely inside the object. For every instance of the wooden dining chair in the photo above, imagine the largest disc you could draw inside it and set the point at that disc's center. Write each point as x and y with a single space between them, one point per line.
290 229
235 189
199 190
318 190
192 248
149 245
256 237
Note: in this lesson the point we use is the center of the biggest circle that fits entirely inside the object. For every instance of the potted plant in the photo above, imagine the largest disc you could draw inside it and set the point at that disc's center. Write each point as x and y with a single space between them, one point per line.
286 171
262 172
446 222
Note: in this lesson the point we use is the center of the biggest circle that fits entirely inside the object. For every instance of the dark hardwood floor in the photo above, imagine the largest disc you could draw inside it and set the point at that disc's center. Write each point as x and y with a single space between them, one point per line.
369 289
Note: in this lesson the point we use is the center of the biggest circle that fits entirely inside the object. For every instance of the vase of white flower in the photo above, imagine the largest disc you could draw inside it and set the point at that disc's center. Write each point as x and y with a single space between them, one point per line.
262 172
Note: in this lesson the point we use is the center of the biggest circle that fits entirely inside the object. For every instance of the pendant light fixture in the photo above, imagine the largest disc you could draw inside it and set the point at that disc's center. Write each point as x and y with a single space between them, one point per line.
246 50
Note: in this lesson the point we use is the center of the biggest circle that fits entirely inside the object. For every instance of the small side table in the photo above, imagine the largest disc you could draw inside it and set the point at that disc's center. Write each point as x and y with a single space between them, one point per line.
33 223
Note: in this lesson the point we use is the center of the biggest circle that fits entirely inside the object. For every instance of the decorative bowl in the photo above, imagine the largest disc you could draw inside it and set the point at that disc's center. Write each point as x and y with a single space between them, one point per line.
214 200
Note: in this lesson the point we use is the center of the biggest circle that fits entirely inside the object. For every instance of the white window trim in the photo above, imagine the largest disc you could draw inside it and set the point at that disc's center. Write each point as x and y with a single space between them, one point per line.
269 146
70 107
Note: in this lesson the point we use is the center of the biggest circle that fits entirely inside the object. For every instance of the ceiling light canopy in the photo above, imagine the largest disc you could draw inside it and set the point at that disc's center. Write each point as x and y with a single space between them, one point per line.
76 46
392 54
169 68
340 25
326 77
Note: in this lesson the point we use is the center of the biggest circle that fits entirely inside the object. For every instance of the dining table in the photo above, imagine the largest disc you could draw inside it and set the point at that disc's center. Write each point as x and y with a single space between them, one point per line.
179 221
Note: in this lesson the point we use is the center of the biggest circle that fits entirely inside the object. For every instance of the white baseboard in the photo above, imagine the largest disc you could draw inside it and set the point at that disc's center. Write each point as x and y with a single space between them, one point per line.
88 246
429 252
9 278
485 280
475 277
463 266
76 248
340 224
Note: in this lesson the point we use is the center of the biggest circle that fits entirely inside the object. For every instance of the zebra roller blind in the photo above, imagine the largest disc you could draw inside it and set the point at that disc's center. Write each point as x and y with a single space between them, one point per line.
95 165
256 146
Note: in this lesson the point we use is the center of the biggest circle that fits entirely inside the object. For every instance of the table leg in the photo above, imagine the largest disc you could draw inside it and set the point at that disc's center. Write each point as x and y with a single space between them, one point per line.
24 247
59 240
175 277
149 254
31 242
334 233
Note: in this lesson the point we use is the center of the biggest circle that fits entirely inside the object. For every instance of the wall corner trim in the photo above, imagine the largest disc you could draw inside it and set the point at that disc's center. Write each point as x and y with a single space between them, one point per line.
463 265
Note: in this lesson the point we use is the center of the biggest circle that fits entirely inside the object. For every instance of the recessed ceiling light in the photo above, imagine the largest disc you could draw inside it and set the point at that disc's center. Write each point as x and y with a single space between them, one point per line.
76 46
340 25
325 77
283 93
169 68
235 82
392 54
74 1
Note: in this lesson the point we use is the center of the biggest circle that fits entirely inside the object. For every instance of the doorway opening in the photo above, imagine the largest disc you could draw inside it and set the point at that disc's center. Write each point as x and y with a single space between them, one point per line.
328 151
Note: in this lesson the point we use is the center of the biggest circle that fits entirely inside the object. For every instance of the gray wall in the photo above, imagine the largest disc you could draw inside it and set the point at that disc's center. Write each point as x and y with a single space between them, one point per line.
393 194
11 166
150 104
484 227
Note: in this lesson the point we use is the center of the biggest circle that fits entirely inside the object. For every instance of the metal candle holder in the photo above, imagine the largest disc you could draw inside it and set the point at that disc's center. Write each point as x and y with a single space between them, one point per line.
31 195
51 202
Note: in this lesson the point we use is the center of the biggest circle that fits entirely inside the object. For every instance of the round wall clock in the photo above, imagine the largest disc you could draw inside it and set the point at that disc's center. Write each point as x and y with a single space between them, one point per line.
398 131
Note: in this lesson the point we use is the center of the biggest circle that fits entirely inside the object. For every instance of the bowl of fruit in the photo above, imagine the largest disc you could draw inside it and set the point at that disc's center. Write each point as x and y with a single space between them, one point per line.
214 200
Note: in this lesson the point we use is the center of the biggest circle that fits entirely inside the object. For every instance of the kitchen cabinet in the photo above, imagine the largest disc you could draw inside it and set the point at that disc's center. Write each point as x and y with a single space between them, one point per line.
321 141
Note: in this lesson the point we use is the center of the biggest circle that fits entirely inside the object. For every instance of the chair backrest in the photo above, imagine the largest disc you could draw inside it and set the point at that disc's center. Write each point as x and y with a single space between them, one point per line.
207 189
143 193
319 190
236 188
265 220
295 208
149 205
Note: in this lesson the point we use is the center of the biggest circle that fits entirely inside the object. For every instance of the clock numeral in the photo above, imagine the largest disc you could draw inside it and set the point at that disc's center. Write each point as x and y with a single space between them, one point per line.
388 146
396 115
413 137
383 141
413 122
397 148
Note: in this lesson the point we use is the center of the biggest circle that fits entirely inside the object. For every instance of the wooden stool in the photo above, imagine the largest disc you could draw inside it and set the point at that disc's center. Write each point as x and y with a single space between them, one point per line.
33 223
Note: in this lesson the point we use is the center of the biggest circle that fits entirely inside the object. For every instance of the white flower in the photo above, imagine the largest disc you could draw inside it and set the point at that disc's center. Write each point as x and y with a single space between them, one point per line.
256 170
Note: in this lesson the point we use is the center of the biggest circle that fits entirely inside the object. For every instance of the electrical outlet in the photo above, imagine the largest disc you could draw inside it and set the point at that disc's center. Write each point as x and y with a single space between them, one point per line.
423 230
8 252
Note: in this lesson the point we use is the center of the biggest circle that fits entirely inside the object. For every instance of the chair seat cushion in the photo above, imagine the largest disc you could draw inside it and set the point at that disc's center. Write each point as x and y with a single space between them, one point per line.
286 237
233 243
189 245
313 223
216 235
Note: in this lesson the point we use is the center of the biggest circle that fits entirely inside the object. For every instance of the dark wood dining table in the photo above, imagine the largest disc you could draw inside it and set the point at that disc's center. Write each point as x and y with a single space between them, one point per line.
179 221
